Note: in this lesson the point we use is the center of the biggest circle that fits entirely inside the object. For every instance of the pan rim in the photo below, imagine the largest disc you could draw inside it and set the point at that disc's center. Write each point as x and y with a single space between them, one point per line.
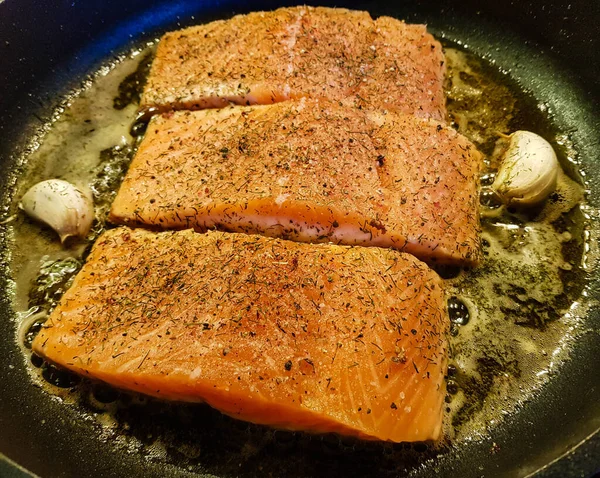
597 433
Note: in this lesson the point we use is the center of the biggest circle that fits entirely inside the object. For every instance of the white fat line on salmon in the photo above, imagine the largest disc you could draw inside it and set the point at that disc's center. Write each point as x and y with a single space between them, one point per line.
293 31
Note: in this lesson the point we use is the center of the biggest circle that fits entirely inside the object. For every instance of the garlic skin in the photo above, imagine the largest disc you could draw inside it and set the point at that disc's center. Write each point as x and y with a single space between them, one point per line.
528 172
60 205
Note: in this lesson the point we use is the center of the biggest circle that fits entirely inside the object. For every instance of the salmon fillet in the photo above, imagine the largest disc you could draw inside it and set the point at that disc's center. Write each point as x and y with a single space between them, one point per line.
267 57
311 171
321 338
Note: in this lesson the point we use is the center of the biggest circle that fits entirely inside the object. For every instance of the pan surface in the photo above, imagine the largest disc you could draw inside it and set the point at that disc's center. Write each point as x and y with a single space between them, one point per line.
45 52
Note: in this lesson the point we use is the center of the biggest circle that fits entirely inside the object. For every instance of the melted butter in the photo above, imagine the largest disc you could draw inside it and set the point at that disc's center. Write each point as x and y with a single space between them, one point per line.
520 300
532 271
86 124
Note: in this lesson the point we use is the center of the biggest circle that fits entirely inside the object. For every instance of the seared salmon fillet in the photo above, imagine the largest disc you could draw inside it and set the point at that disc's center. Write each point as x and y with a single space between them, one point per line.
321 338
267 57
311 171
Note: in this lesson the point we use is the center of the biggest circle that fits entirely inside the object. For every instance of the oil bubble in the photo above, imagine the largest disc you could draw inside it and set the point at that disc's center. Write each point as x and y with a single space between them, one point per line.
458 311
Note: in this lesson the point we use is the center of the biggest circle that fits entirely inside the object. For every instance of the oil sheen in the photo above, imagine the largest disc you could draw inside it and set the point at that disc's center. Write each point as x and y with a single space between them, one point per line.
513 317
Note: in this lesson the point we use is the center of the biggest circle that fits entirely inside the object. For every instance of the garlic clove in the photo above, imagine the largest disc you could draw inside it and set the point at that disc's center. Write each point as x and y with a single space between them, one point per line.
60 205
528 172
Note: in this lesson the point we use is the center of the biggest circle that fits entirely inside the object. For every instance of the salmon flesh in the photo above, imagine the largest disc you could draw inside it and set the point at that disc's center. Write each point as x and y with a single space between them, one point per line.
322 338
267 57
311 171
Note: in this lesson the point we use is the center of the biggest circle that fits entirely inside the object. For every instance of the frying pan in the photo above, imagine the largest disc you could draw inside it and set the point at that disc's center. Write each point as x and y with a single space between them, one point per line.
47 48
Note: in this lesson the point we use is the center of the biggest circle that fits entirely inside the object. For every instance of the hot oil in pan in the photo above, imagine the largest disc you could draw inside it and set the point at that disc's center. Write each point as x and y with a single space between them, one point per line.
511 319
512 324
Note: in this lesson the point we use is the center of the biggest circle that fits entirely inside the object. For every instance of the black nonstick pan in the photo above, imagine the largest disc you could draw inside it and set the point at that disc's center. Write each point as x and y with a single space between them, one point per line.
549 47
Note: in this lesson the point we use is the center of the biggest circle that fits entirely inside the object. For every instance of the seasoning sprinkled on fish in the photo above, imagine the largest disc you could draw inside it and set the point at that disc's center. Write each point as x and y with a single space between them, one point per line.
311 171
267 57
320 338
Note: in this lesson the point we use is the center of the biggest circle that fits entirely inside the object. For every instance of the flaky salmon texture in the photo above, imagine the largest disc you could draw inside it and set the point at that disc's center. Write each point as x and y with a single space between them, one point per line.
266 57
309 170
322 338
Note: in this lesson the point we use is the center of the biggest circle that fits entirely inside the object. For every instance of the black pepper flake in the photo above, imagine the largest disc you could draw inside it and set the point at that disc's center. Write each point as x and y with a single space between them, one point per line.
381 160
413 331
288 365
377 225
393 406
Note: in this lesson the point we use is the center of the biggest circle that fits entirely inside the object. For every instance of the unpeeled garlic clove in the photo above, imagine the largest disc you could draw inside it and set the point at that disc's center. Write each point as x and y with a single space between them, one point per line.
62 206
528 172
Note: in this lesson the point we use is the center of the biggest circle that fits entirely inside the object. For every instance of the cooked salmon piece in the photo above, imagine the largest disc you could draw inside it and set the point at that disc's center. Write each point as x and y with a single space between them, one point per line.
320 338
311 171
267 57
